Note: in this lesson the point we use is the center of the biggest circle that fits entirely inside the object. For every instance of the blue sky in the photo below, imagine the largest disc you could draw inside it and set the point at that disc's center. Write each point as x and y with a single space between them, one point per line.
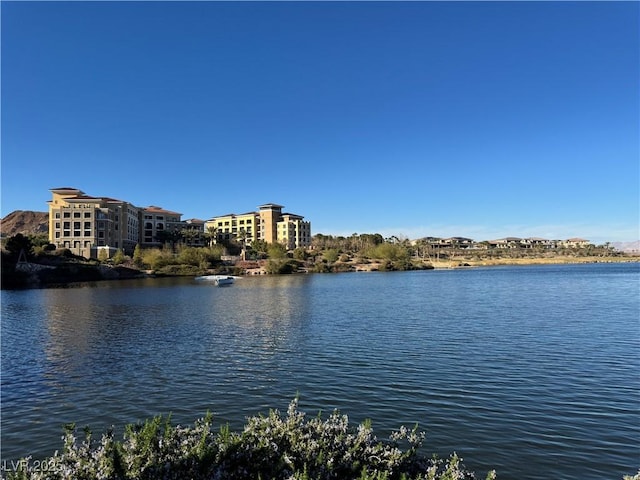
477 119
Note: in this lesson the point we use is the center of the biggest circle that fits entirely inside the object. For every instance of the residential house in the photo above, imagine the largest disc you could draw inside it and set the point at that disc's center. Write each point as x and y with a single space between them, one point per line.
575 243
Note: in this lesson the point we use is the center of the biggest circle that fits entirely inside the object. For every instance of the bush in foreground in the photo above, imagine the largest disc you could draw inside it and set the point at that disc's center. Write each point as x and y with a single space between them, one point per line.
269 447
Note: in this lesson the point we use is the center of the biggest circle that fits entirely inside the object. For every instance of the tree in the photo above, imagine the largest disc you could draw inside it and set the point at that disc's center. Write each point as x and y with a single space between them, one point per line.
331 255
211 235
190 236
260 247
118 257
169 236
103 255
241 237
276 250
39 239
137 256
19 243
300 254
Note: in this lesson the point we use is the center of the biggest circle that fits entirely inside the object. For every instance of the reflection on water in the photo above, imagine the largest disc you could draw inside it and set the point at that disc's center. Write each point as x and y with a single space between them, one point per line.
528 370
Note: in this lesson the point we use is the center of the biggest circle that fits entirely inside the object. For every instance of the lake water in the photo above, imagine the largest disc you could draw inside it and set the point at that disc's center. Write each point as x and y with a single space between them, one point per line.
534 371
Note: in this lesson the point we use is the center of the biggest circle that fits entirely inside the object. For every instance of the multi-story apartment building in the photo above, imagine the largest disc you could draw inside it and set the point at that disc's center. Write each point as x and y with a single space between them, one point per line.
269 223
158 224
84 224
193 233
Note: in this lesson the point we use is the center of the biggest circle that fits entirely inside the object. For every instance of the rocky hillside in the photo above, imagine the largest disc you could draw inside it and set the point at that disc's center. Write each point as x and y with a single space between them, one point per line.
25 222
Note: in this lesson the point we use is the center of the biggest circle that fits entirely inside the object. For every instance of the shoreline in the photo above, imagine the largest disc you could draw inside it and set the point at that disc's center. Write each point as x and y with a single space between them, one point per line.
561 260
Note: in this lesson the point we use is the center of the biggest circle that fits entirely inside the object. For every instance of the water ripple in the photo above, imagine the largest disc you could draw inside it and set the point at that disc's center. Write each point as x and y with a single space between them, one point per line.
533 371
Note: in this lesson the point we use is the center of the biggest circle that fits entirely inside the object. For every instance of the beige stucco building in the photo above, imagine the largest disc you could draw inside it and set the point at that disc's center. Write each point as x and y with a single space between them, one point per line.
157 221
85 224
269 223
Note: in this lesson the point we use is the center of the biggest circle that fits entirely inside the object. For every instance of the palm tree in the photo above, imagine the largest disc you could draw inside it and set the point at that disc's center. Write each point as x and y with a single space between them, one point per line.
169 236
211 235
190 235
241 237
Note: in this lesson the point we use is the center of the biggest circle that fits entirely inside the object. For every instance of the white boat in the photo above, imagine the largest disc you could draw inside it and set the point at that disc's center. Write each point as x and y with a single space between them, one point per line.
219 280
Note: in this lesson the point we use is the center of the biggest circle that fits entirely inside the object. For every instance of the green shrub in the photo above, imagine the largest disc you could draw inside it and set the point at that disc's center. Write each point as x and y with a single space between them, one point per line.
155 258
183 270
190 256
331 255
138 259
103 255
276 251
389 251
119 257
321 267
272 446
300 254
280 266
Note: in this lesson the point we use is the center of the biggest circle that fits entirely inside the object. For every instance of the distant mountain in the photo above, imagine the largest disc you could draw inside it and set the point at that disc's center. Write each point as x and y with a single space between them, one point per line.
25 222
629 247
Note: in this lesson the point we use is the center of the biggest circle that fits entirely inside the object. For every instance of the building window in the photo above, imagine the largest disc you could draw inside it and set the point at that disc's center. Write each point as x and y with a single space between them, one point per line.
66 214
57 214
76 214
87 214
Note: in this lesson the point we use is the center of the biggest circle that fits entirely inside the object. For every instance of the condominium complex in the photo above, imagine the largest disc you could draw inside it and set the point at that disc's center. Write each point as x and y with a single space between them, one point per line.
85 225
269 223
